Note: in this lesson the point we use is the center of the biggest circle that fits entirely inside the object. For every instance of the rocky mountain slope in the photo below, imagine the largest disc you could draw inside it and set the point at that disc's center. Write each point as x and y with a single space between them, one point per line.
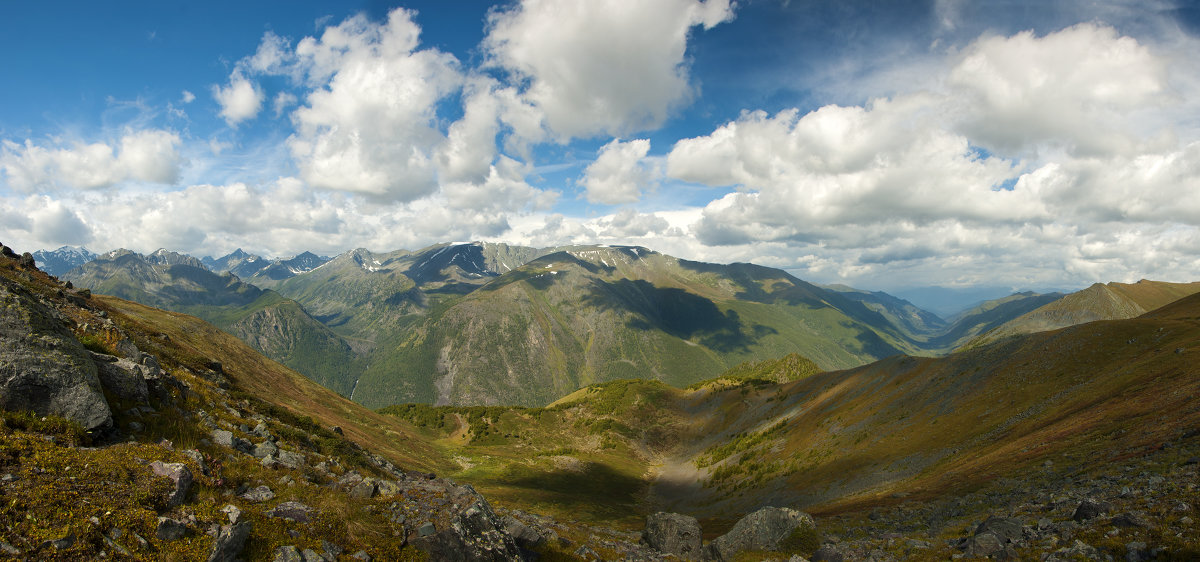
270 323
1110 301
260 271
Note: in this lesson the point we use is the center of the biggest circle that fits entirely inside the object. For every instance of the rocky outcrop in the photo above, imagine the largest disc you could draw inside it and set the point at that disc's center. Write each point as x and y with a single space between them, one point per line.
43 367
475 533
673 533
765 529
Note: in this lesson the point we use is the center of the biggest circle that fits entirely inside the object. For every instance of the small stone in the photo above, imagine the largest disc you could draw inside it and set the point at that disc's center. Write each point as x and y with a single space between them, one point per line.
426 529
135 427
1090 509
364 490
1185 521
9 549
222 437
290 459
293 511
232 512
361 555
1131 519
1181 507
287 554
258 494
178 473
169 529
61 544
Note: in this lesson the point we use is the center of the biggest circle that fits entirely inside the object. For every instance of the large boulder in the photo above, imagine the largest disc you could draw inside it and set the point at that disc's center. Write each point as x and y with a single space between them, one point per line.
231 539
43 367
122 377
766 529
180 475
474 534
673 533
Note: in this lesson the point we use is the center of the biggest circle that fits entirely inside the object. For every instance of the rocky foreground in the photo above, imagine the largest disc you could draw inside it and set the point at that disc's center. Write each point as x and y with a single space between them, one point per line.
107 451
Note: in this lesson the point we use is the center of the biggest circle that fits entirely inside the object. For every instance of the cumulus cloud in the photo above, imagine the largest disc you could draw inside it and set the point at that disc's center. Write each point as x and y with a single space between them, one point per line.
628 223
149 155
1075 87
372 128
187 97
618 174
601 66
470 145
240 100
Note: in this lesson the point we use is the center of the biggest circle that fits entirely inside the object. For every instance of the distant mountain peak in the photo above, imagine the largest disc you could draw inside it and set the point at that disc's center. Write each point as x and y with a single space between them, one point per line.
62 260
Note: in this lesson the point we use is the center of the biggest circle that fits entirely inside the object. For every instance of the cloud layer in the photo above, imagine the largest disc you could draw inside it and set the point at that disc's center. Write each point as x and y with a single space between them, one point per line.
1049 158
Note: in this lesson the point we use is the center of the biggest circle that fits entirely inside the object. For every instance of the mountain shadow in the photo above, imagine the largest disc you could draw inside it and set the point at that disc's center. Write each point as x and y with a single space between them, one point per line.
677 312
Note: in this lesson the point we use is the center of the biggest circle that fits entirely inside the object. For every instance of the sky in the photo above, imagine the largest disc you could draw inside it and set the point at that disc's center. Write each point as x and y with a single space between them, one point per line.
884 145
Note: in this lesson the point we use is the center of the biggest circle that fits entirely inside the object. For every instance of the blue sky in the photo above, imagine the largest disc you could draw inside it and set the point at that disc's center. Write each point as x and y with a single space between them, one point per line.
884 145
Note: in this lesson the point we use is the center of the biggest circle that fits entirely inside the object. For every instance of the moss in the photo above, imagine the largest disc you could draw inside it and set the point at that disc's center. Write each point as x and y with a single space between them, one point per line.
803 540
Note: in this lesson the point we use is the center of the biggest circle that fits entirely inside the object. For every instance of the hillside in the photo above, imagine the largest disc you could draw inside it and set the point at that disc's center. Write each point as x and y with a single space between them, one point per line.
591 314
270 323
1110 301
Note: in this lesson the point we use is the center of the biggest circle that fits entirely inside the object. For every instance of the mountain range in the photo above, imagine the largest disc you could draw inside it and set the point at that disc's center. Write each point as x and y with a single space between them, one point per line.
1032 446
62 260
484 323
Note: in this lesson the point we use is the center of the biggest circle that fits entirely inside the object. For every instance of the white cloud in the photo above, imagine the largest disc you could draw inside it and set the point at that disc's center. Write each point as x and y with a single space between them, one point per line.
601 66
149 155
372 128
283 100
628 223
1076 87
187 97
618 174
470 144
240 100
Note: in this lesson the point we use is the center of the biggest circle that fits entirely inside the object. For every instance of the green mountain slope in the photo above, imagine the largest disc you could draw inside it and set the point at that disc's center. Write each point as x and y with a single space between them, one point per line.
272 324
591 314
1110 301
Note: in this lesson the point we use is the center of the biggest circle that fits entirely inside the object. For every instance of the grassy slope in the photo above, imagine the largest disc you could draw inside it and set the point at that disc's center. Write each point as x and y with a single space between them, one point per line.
277 384
1099 302
834 442
270 323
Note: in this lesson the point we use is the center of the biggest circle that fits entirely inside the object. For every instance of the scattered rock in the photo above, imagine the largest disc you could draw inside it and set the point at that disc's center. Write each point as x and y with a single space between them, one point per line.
365 489
61 544
672 533
178 473
265 449
828 553
232 512
258 494
426 529
1131 519
587 554
287 554
9 549
764 529
293 511
121 377
527 537
230 541
290 459
1090 509
169 529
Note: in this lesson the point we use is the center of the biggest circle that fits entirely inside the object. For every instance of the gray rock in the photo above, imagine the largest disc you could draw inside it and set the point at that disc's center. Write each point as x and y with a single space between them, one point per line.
265 449
258 494
122 377
361 555
426 529
527 537
1090 509
231 539
290 459
475 533
585 553
43 367
293 511
365 489
232 512
1137 552
673 533
762 530
1131 519
9 549
222 437
287 554
169 529
180 475
828 553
